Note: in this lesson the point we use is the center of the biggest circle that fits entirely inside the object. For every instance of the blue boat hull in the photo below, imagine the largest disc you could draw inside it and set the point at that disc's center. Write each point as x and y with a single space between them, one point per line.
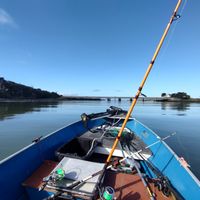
19 166
167 162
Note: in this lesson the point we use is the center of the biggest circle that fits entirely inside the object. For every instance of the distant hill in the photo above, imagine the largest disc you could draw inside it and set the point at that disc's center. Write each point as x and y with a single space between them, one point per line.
12 90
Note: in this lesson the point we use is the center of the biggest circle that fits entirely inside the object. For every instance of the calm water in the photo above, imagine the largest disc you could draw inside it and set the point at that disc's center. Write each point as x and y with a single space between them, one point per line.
20 123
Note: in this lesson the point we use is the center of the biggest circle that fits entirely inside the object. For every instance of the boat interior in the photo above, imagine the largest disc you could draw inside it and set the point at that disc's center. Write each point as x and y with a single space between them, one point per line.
79 170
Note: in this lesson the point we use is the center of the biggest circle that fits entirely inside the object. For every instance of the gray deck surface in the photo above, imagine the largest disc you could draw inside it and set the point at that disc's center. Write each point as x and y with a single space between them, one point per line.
76 169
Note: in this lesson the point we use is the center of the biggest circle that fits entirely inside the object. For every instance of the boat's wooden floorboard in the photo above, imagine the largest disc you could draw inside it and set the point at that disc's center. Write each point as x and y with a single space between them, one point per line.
35 180
130 187
126 186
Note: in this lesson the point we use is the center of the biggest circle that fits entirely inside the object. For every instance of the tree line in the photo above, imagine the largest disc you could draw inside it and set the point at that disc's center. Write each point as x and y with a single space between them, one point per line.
12 90
179 95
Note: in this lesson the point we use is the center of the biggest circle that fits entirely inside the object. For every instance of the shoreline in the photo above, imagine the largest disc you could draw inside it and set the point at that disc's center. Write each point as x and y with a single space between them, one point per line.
51 99
191 100
87 98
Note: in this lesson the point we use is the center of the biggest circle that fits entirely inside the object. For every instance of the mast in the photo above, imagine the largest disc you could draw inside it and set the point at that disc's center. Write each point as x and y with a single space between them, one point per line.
173 17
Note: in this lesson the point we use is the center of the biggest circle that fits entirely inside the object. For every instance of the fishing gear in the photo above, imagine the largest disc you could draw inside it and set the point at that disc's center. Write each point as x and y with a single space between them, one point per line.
151 194
108 193
176 17
74 184
162 182
160 140
50 178
144 79
59 174
58 194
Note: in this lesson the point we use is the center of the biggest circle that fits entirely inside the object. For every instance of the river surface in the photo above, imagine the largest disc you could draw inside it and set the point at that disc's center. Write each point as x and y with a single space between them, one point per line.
22 122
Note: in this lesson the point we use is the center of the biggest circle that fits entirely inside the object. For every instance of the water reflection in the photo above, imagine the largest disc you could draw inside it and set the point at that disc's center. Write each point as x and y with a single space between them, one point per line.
9 109
179 106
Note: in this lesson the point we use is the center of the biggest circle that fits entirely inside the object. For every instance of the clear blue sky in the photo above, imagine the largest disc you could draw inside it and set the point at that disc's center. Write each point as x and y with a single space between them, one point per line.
99 47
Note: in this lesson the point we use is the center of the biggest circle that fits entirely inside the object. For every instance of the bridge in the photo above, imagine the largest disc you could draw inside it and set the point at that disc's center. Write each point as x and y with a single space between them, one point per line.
108 98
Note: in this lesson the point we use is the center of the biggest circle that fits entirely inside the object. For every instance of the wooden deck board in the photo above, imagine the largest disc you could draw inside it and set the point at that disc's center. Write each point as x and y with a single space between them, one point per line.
126 186
35 180
130 187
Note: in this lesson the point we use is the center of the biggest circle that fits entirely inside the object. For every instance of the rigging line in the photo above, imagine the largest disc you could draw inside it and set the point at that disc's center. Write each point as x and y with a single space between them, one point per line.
171 33
168 41
184 149
139 173
183 7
